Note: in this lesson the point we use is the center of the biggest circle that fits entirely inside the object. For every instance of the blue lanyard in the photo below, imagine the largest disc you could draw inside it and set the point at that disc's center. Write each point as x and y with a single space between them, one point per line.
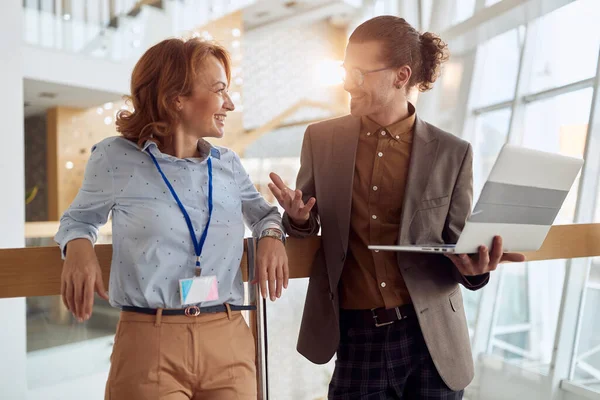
198 245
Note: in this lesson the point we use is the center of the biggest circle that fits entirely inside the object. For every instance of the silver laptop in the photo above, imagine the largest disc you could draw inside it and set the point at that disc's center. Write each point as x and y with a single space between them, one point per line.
519 201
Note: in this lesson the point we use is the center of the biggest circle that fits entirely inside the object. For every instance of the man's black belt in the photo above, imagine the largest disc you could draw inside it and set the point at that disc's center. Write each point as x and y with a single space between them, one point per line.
377 317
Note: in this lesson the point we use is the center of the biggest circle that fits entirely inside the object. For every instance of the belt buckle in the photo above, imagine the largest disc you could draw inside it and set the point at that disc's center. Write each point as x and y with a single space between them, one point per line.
399 314
377 324
192 311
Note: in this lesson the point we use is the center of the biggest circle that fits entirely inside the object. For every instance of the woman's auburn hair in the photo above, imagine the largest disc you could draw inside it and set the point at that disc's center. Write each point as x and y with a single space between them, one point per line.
165 71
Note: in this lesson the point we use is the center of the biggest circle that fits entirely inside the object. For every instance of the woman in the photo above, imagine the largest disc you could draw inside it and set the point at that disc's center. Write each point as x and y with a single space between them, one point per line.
178 208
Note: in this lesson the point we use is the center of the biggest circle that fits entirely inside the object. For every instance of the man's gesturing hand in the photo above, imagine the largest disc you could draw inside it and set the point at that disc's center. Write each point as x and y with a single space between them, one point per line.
291 200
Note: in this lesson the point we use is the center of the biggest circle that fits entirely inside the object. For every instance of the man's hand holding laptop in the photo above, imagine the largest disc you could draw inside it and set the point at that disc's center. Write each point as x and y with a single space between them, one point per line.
484 261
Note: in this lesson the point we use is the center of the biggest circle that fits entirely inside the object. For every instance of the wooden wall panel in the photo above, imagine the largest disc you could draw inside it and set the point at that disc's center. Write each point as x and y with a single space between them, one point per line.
71 133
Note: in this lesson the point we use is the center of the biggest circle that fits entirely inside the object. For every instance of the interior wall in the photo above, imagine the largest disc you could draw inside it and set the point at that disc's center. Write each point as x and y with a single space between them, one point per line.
285 65
35 167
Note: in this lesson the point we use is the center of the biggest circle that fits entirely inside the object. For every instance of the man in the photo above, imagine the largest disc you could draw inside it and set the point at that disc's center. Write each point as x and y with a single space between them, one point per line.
383 176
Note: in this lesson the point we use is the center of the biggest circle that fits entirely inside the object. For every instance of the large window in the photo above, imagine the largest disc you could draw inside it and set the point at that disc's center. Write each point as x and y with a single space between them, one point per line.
533 85
566 45
559 125
587 354
497 68
463 9
586 358
530 294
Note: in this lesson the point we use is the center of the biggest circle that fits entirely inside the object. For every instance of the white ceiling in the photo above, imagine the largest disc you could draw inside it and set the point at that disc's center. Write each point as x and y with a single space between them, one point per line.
65 96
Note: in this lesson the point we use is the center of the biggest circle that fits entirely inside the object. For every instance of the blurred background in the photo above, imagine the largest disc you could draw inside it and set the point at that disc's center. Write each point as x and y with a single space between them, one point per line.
521 71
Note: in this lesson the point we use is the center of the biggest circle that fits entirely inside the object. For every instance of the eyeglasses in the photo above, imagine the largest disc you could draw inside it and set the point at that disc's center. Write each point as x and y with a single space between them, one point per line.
357 76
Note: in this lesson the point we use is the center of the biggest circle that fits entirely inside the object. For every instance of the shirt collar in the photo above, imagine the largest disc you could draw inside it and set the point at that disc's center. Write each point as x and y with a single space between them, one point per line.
398 130
204 147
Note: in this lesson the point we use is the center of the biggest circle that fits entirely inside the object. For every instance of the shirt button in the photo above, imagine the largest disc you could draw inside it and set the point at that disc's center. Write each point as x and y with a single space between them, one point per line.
376 251
397 137
380 154
383 284
368 133
375 188
374 216
382 133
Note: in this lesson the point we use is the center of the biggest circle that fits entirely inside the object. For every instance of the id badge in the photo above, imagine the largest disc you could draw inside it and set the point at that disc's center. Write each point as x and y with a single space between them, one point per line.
198 289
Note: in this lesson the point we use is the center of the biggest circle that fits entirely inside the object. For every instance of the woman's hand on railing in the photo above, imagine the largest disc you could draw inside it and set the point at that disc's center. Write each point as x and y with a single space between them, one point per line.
81 277
291 200
271 269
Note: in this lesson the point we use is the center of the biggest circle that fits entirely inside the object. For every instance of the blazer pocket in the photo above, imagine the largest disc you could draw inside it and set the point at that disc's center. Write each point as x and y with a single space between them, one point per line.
456 302
434 203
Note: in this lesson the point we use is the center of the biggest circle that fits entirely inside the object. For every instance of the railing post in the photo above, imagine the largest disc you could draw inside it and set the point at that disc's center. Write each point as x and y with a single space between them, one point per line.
258 325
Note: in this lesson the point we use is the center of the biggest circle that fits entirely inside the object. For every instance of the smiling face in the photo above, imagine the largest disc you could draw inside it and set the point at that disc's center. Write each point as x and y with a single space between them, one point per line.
204 111
379 93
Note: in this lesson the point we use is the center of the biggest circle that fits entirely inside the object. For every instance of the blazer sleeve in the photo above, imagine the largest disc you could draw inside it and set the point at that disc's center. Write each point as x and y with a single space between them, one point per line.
460 208
306 183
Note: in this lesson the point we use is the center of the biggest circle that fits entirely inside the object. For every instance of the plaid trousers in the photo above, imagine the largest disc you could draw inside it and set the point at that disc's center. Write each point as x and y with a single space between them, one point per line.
389 362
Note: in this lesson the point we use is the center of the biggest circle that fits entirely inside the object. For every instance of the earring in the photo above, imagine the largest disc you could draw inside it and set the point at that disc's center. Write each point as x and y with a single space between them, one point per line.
398 86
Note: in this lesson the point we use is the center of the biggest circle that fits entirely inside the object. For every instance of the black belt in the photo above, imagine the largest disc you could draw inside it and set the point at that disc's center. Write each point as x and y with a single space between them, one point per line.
192 311
377 316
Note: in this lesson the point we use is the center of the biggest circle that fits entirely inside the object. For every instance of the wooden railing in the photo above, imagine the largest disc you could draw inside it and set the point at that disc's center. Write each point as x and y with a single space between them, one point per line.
36 271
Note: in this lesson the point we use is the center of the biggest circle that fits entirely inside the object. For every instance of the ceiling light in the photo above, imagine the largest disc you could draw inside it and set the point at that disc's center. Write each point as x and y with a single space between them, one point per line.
236 32
99 110
235 44
67 17
108 120
69 165
108 106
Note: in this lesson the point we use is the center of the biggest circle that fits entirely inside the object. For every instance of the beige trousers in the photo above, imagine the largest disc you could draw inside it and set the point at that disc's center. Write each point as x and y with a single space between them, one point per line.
208 357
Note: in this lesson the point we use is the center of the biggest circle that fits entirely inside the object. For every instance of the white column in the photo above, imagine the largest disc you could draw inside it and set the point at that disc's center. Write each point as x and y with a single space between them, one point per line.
13 381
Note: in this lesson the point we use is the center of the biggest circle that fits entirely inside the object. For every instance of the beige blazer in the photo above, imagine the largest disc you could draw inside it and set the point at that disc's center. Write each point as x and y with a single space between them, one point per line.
436 205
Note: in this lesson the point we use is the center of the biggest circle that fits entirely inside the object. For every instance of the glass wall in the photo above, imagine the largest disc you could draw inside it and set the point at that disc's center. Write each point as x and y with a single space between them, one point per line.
566 46
534 85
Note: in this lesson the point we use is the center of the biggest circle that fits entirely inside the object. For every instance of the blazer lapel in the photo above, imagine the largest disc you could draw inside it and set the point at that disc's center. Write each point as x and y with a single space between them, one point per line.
422 160
343 157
